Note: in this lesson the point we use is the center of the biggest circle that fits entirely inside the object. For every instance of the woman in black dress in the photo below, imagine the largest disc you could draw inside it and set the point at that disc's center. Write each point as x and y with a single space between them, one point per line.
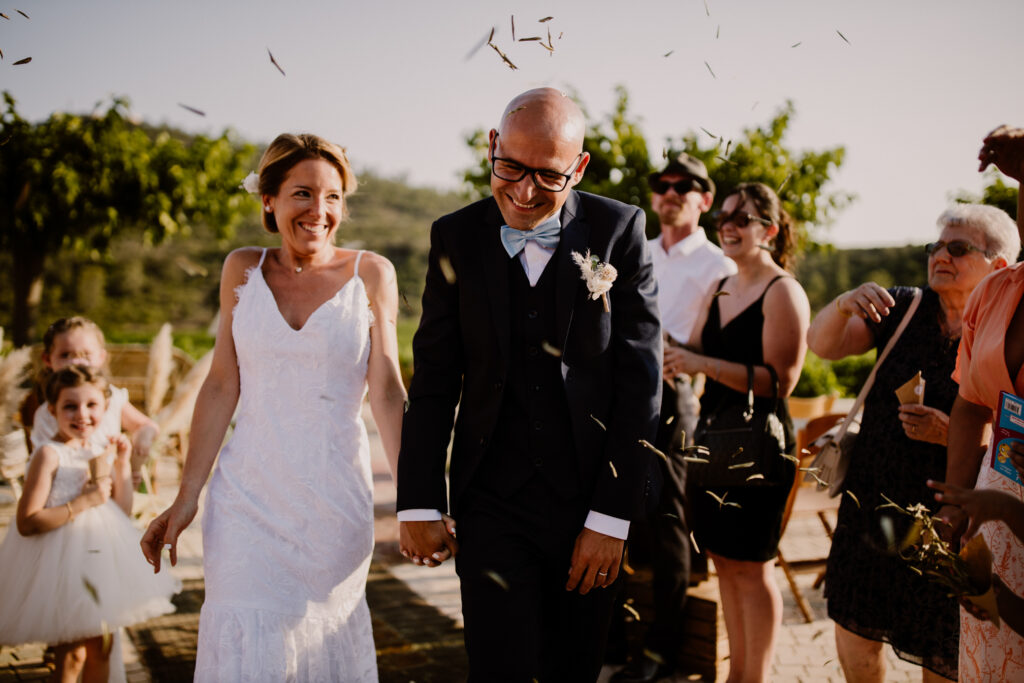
743 541
872 596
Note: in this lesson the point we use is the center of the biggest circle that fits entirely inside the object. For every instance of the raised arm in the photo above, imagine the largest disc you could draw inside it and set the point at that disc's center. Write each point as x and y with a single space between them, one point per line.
214 407
384 376
840 329
1004 147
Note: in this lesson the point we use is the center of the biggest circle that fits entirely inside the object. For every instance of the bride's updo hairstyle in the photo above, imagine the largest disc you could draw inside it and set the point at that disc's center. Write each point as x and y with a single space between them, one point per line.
285 152
769 207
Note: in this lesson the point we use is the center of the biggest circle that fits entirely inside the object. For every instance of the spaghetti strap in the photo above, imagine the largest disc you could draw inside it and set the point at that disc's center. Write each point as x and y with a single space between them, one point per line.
355 273
769 285
262 256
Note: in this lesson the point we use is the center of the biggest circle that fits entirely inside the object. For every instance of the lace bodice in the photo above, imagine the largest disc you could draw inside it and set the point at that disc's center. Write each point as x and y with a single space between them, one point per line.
71 475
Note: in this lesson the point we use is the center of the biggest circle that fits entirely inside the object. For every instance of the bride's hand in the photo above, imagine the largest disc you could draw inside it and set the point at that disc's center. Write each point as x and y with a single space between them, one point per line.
164 530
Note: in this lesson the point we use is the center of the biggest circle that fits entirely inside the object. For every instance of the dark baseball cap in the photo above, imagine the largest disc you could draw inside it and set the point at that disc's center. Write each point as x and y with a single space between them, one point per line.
686 165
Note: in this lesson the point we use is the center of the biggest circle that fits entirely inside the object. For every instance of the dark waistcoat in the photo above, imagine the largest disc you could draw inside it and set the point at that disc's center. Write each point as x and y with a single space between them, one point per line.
533 436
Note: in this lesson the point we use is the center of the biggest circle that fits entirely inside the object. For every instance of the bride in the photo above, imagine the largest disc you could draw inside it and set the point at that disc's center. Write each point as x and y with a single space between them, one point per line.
305 328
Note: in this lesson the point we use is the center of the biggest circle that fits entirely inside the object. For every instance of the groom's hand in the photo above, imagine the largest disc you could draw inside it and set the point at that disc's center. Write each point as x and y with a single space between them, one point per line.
429 543
595 561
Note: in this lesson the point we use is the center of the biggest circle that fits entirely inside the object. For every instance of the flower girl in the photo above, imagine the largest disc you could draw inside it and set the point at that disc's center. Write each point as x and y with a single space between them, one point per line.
70 574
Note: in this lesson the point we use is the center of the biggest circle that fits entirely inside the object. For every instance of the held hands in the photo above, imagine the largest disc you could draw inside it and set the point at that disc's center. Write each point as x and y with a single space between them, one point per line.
1004 147
428 543
98 492
595 561
164 531
922 423
869 300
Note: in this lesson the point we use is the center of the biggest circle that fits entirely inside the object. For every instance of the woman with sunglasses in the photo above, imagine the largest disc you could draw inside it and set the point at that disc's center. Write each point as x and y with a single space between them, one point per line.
872 597
734 331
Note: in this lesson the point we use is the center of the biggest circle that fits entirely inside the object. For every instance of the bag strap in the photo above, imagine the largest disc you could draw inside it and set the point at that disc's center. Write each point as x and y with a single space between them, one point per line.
749 413
848 420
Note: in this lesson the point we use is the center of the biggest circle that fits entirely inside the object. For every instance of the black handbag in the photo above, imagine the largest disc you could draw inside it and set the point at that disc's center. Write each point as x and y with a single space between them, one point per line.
741 446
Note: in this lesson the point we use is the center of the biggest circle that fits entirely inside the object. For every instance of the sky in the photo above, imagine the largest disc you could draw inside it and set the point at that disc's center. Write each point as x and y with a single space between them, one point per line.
909 92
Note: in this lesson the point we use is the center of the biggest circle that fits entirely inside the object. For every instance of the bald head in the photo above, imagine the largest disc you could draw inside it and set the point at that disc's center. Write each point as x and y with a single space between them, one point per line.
546 113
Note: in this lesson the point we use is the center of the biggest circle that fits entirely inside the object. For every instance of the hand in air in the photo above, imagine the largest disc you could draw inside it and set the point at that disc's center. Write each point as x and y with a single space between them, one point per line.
922 423
1004 147
868 301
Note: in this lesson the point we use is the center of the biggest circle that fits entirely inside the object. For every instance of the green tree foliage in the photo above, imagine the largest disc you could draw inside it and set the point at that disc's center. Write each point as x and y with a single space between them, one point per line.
996 193
74 182
620 163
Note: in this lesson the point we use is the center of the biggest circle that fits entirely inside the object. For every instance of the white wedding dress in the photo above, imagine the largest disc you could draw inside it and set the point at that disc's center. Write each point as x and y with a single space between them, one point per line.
288 524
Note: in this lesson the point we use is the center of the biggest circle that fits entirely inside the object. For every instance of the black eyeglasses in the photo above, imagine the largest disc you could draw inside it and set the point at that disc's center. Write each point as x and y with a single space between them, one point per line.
740 219
956 248
543 178
681 187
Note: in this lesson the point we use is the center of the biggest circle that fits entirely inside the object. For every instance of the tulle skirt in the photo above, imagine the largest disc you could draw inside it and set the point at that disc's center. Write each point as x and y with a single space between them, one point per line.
79 580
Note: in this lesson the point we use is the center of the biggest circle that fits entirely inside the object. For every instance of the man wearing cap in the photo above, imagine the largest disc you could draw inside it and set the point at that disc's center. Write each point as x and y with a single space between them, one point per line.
686 266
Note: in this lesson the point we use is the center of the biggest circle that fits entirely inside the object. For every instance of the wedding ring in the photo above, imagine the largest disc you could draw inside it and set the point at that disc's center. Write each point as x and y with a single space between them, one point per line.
602 573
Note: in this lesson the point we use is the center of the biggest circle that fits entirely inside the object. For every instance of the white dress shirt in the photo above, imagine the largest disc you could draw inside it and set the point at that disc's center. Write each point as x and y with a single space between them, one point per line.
685 274
534 259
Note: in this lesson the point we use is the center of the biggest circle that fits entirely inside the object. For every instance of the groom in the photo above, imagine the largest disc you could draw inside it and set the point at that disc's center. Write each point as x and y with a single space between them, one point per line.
555 388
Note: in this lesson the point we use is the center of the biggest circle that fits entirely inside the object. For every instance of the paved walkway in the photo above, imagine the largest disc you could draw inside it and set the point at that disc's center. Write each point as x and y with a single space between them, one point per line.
417 615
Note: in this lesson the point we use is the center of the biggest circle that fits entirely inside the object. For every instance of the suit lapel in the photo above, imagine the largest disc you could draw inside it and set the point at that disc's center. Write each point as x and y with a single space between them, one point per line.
575 237
495 265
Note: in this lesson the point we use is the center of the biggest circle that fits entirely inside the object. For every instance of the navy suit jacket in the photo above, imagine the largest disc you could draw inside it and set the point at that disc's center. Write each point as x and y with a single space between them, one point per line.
611 361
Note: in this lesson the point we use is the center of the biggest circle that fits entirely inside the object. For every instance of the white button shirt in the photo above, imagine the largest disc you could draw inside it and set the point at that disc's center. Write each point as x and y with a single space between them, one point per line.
685 274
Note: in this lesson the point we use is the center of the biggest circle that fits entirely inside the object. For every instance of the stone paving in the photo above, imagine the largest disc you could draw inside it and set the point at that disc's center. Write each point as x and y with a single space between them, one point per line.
417 616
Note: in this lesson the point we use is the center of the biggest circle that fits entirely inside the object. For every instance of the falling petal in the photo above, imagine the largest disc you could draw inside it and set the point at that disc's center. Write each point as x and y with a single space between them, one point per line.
668 53
526 40
446 269
670 420
519 108
497 578
741 465
503 56
629 608
670 515
720 499
560 34
107 641
817 635
91 589
850 494
719 293
804 451
5 16
694 542
717 31
5 140
192 109
732 504
476 48
727 146
738 451
693 458
654 657
752 477
491 37
827 662
710 71
23 61
843 37
703 450
512 18
551 349
599 423
754 106
550 49
550 44
23 14
405 300
274 61
809 469
784 181
649 446
545 19
615 472
706 131
787 456
1 54
706 10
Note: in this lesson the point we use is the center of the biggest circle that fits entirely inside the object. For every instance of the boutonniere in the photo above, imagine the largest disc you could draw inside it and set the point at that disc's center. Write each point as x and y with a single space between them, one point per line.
598 276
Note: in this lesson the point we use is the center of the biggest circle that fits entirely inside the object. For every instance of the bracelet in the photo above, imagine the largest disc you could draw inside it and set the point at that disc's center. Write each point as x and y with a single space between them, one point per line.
841 311
71 511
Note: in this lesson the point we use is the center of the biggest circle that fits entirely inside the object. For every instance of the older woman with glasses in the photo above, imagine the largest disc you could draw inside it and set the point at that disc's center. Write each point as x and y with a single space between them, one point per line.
872 596
760 324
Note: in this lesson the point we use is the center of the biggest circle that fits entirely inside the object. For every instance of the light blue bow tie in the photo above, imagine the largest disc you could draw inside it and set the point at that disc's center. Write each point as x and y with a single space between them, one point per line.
546 235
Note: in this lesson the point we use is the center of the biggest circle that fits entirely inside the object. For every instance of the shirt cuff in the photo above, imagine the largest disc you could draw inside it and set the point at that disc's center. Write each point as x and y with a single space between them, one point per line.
419 515
607 525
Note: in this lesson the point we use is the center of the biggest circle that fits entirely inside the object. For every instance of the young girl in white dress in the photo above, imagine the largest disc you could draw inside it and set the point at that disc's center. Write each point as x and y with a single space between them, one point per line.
79 341
70 573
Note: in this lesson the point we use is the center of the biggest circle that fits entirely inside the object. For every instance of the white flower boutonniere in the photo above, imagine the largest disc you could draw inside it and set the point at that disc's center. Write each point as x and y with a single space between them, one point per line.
251 184
598 276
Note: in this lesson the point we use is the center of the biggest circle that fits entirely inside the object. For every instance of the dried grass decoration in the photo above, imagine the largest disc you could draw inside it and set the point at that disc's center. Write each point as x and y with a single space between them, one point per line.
967 574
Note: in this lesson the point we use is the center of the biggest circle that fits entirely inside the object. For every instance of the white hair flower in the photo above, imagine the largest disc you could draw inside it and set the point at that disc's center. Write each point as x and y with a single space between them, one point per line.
251 184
